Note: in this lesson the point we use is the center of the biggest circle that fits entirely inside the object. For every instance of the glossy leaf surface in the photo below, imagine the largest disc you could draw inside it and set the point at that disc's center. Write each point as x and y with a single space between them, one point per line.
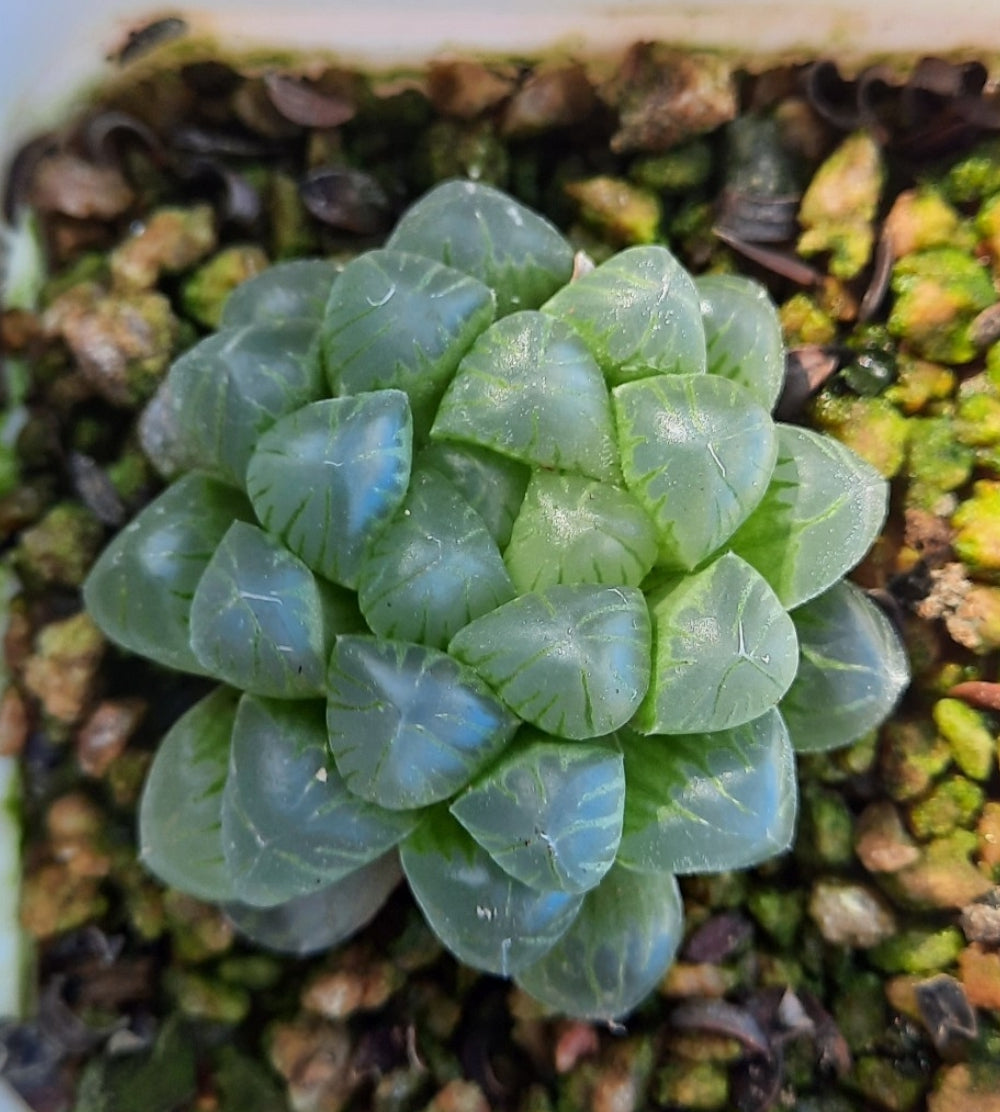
724 651
409 725
572 660
483 915
821 513
743 334
180 816
639 313
433 569
139 592
328 478
493 237
852 665
616 951
705 803
697 452
289 824
530 389
571 529
294 290
550 815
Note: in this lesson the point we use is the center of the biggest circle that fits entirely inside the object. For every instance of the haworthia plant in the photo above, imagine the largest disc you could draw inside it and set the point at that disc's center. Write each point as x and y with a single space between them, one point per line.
512 587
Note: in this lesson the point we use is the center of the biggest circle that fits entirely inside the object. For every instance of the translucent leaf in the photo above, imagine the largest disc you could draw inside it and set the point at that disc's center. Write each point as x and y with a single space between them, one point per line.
615 952
575 530
409 725
492 485
823 510
295 290
403 321
549 812
529 389
851 672
321 920
486 233
572 660
743 334
139 592
433 569
180 829
289 824
234 384
705 803
327 478
697 452
485 917
639 314
724 651
261 621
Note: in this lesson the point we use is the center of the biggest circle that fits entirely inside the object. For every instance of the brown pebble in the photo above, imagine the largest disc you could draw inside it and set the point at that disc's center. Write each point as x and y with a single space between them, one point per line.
104 735
686 978
979 970
988 832
981 920
13 722
66 184
459 1096
850 914
63 669
467 89
963 1088
881 842
574 1040
314 1060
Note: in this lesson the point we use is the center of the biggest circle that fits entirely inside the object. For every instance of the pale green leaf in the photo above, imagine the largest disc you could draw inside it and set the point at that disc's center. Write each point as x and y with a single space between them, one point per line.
294 290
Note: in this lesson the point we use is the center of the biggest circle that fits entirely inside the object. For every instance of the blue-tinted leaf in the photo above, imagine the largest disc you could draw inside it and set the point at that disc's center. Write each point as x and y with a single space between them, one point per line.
327 478
821 513
477 229
549 812
697 452
399 320
139 592
574 530
852 670
180 825
234 384
529 389
319 921
743 334
484 916
295 290
409 725
433 569
616 951
705 803
289 824
572 660
638 313
724 651
261 621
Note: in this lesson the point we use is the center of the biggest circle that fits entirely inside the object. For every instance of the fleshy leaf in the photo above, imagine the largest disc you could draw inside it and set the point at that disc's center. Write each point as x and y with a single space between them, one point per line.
327 478
484 916
492 484
289 824
261 621
724 650
403 321
488 234
743 334
697 452
433 569
705 803
529 389
616 951
823 510
549 813
319 921
180 823
294 290
572 660
234 384
139 592
575 530
852 665
639 314
409 725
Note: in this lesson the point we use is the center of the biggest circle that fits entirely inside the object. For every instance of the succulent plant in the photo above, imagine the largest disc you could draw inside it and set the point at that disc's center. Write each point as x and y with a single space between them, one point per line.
510 584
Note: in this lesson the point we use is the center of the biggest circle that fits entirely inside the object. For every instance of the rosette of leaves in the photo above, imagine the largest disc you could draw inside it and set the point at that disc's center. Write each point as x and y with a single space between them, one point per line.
511 586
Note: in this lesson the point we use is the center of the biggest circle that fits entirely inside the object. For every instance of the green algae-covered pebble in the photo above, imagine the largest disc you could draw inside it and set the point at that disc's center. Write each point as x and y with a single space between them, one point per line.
969 736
